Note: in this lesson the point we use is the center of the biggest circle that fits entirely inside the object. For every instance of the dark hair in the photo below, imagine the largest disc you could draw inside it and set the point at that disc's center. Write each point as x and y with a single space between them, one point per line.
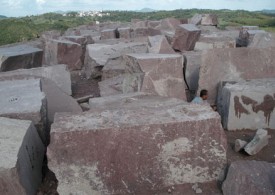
203 92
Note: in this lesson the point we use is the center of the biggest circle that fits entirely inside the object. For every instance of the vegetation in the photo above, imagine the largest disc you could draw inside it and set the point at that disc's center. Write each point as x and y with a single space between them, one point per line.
26 28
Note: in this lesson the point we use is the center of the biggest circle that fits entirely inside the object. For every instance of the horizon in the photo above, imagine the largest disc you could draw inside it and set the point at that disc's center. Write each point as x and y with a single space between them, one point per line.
21 8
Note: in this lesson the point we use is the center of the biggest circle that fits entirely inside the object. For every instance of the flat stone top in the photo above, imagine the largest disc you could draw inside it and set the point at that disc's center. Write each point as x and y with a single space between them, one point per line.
12 133
18 50
20 96
154 56
189 27
129 117
255 85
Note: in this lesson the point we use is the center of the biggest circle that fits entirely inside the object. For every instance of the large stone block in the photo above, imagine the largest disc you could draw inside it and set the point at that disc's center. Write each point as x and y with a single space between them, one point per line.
209 20
159 44
59 74
97 55
63 52
139 150
234 65
160 74
248 104
22 153
24 99
185 37
21 56
250 178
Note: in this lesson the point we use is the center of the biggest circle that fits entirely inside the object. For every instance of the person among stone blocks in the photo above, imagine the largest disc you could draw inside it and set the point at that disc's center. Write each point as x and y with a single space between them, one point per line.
202 99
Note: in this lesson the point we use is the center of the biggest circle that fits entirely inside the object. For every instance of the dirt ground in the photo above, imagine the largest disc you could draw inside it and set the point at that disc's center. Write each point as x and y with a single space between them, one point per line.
83 87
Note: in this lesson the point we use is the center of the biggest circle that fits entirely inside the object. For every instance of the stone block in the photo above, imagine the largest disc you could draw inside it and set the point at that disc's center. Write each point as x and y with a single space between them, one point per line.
159 44
259 141
22 153
250 178
97 55
185 37
248 104
108 34
209 20
20 56
24 99
160 74
234 64
59 74
136 151
63 52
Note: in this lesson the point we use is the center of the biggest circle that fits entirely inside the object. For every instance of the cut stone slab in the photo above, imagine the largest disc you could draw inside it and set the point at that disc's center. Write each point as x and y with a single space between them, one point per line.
239 145
97 55
196 19
185 37
114 67
248 104
63 52
250 178
57 73
234 64
20 56
209 20
125 33
160 74
258 143
138 150
159 44
23 99
22 153
108 34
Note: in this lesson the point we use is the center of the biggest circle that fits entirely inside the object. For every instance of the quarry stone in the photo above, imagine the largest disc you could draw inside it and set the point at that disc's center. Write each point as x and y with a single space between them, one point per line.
63 52
159 44
259 141
22 153
136 151
59 74
248 104
160 74
24 99
250 178
234 64
97 55
185 37
20 56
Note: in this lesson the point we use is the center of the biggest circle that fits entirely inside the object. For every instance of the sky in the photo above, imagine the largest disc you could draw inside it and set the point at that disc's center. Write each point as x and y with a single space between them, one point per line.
15 8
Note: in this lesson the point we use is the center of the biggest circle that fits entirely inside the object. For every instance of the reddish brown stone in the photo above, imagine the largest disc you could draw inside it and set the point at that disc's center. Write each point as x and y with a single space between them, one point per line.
139 150
186 37
63 52
250 178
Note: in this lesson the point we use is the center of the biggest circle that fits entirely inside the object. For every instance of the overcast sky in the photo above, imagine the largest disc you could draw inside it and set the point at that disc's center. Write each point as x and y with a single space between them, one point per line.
33 7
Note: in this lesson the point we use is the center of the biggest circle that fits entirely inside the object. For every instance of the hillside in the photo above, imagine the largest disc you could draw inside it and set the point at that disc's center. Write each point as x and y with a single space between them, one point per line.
26 28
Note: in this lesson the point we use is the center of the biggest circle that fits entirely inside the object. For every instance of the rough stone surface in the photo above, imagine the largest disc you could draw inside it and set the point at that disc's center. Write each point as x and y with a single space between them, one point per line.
196 19
97 55
159 44
21 56
239 145
234 65
113 67
185 37
108 34
166 145
63 52
23 99
58 74
58 101
248 104
209 20
259 141
22 154
250 178
160 74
